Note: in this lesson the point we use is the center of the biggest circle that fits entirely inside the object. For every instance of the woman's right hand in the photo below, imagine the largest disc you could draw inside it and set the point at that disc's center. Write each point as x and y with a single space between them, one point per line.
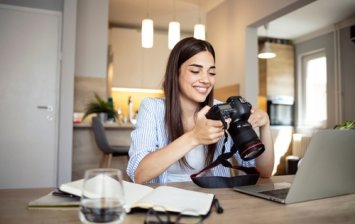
208 131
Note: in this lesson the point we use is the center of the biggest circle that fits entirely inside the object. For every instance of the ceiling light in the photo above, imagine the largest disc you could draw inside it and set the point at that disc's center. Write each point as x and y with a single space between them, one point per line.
266 52
199 29
174 30
147 33
199 32
174 34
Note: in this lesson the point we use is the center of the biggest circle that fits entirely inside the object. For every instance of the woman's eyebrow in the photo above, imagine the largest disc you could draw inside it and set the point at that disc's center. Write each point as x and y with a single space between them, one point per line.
196 65
200 66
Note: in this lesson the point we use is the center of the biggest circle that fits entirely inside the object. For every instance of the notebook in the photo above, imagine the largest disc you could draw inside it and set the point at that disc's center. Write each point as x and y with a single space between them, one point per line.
326 170
139 196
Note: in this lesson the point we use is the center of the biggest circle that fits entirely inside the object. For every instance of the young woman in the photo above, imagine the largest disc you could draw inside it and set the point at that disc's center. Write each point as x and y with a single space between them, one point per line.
173 138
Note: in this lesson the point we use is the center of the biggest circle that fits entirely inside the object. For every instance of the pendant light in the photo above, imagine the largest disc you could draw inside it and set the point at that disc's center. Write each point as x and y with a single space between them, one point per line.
174 34
266 52
147 31
174 31
199 29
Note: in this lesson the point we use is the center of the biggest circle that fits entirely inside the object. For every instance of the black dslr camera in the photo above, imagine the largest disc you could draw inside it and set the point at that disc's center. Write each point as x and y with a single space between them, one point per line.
245 139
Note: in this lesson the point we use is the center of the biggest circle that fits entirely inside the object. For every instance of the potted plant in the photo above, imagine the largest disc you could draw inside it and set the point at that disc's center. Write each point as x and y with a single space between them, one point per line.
103 109
346 125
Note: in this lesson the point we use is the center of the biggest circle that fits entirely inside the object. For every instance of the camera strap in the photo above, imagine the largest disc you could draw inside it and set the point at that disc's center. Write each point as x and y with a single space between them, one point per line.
251 173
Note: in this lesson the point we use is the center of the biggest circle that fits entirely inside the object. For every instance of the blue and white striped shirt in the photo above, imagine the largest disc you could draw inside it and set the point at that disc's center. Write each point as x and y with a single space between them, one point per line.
150 135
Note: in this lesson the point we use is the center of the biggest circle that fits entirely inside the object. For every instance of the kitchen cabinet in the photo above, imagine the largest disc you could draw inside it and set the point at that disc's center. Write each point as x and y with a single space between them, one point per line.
276 75
134 66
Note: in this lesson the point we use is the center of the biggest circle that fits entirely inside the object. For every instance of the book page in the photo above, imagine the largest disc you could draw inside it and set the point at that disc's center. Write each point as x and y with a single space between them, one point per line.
52 201
177 200
73 188
132 192
142 196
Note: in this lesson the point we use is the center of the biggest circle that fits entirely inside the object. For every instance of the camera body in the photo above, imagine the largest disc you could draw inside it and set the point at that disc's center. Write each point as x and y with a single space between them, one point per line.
245 139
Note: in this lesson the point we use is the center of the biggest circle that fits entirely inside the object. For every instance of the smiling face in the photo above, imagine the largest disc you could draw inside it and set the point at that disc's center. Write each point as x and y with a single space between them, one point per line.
197 78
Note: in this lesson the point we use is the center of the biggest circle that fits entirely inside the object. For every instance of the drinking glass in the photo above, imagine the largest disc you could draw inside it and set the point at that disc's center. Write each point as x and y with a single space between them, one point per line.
102 199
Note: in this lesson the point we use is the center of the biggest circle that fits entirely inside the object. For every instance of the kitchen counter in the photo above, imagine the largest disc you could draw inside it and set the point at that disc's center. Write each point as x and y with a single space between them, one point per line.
106 125
86 155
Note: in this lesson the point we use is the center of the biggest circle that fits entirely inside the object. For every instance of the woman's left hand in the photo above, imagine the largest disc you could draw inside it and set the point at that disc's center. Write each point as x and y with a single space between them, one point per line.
258 118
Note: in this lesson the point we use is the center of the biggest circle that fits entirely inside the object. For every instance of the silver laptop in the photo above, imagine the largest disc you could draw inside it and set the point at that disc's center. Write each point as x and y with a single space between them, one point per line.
327 170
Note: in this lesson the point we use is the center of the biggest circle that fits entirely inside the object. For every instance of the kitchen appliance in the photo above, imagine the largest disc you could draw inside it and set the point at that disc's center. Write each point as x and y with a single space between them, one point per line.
281 110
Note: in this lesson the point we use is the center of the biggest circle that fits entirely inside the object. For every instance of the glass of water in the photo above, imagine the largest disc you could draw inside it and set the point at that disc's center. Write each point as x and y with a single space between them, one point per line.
102 199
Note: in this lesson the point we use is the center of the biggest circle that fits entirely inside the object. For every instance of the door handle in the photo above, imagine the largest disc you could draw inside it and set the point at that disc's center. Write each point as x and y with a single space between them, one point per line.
44 107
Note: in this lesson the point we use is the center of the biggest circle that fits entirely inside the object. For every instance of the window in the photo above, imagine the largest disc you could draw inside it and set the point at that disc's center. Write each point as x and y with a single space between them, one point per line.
313 91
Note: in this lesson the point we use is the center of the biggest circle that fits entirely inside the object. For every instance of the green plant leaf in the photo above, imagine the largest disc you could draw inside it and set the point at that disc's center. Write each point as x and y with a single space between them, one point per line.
99 106
346 125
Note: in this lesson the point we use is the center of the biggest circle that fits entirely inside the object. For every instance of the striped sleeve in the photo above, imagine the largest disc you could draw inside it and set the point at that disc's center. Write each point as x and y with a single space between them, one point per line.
144 138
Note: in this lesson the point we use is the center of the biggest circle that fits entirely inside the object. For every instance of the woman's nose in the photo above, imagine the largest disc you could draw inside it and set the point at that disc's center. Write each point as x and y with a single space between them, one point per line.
204 78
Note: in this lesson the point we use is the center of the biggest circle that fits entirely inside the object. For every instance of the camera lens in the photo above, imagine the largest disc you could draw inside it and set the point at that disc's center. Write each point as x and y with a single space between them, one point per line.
245 139
248 144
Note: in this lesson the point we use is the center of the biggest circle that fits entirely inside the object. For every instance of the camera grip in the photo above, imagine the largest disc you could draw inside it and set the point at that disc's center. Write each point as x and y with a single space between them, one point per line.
215 114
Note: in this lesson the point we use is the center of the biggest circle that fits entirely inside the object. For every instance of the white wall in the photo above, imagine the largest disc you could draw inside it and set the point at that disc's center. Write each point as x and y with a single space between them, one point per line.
326 43
340 52
65 137
92 38
347 56
231 28
56 5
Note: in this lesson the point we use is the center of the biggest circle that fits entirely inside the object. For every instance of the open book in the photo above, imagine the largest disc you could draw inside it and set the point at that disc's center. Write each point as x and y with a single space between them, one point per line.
141 196
51 201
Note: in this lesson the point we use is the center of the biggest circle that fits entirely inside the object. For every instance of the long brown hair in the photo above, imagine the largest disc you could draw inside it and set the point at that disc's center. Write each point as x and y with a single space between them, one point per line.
183 50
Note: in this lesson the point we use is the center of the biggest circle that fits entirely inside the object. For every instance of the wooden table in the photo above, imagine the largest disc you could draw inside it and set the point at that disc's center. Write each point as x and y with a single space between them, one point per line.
238 208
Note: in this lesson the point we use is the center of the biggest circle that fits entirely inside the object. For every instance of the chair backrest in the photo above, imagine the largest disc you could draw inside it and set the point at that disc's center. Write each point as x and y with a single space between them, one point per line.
100 135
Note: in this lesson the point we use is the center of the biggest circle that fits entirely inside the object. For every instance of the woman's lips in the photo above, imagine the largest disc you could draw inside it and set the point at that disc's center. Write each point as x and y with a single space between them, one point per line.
201 89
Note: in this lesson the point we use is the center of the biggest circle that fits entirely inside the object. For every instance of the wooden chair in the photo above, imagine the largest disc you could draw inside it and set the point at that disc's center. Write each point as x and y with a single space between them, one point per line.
102 143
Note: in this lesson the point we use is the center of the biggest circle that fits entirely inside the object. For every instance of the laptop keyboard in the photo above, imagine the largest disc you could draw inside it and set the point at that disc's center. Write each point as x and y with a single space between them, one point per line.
278 193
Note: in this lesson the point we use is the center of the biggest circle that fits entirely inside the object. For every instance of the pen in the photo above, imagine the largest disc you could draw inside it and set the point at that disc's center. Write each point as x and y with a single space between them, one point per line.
218 206
63 194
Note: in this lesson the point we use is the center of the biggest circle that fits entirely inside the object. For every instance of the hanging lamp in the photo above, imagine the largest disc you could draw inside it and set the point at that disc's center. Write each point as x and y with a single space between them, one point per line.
199 32
266 52
174 34
174 31
147 31
199 29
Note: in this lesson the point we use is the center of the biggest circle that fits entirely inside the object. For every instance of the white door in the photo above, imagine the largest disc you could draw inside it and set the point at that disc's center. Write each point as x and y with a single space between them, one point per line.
29 90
